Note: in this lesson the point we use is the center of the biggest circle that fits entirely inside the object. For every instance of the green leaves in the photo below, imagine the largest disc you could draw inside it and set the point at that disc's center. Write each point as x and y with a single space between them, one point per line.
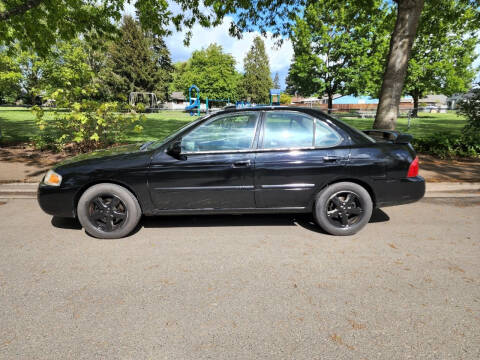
444 50
257 82
212 71
340 47
136 61
85 125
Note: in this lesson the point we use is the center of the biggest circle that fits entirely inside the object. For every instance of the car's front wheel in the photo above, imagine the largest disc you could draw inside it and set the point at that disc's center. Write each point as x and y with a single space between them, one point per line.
108 211
343 208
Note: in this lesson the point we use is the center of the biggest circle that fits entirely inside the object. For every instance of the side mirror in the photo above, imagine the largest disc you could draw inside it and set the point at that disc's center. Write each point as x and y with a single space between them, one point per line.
175 150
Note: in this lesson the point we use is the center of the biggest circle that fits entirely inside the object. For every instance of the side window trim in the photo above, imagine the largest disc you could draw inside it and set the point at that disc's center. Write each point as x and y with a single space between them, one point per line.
239 113
259 146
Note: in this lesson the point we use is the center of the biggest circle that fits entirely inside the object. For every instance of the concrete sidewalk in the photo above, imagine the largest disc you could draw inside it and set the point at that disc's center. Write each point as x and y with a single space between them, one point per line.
434 190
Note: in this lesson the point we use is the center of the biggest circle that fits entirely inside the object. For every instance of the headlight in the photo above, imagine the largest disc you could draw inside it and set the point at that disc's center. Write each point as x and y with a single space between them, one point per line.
52 178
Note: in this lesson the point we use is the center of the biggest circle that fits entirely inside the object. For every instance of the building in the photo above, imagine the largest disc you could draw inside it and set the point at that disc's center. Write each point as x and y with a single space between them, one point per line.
178 101
433 100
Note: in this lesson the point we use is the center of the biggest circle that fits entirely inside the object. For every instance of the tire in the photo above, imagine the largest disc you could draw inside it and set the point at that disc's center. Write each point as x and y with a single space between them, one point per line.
108 211
343 208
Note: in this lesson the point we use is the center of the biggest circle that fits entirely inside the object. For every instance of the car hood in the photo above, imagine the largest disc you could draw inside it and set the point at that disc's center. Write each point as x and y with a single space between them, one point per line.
102 154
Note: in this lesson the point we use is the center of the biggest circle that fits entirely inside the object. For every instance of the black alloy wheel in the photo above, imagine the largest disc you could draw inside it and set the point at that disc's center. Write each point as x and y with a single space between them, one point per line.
107 212
344 209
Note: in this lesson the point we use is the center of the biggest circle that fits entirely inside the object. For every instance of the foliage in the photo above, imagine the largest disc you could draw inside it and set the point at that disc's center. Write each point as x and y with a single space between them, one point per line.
444 50
469 106
256 83
36 24
65 67
136 61
212 71
10 76
447 145
339 49
285 99
87 125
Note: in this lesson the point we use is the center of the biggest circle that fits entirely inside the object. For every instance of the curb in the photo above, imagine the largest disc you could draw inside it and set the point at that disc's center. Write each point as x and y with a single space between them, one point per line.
433 190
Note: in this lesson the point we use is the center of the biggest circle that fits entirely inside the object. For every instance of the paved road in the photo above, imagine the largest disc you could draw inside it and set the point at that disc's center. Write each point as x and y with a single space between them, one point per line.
243 287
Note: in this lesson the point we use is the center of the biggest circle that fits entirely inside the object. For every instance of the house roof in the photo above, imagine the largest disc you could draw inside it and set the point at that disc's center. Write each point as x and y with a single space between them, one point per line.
431 98
177 95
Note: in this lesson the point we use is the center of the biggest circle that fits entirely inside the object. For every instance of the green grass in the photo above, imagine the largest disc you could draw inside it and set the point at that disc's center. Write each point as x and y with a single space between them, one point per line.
423 126
18 125
160 125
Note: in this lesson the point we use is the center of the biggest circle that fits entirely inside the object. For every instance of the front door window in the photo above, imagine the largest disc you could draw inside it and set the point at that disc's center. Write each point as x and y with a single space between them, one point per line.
225 133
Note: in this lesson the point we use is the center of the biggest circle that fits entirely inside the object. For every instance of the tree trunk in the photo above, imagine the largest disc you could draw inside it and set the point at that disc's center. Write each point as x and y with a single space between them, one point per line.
415 104
408 15
330 103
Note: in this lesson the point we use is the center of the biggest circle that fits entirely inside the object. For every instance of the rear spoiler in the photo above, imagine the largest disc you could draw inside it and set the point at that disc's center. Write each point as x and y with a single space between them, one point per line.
394 137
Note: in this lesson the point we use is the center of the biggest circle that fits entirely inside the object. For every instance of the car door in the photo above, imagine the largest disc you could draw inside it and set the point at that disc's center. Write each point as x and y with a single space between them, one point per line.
215 170
297 154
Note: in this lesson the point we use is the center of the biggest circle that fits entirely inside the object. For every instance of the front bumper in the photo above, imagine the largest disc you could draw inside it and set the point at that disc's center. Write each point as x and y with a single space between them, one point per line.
399 191
56 201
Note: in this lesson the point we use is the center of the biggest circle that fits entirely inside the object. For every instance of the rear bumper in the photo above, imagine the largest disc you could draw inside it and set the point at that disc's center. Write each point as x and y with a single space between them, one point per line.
56 201
399 191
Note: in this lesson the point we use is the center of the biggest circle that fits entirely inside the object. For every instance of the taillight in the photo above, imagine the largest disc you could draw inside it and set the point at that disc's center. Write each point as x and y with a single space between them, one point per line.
413 168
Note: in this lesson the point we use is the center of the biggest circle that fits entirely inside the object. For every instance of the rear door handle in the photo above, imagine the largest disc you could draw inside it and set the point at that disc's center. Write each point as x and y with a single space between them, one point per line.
242 163
331 158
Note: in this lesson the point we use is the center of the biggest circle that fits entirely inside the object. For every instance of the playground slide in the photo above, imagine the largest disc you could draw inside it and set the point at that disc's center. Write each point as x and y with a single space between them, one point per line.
194 105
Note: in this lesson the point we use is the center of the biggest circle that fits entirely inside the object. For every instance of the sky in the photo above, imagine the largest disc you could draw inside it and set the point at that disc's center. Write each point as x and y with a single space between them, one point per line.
280 58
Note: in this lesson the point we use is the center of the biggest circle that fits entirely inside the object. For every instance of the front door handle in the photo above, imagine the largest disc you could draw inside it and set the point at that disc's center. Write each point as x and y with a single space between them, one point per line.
242 163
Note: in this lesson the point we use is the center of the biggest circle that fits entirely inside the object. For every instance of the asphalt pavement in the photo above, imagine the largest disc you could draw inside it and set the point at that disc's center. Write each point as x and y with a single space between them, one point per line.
243 287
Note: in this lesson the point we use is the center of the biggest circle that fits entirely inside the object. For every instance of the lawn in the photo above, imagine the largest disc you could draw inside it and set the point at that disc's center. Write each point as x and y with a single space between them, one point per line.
17 125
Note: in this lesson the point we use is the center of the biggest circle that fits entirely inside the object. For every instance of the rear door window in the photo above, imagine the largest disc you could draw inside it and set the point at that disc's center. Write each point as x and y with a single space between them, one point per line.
287 130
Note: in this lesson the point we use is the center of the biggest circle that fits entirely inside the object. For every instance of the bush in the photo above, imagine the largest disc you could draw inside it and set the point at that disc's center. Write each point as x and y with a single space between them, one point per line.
446 145
86 126
470 108
285 99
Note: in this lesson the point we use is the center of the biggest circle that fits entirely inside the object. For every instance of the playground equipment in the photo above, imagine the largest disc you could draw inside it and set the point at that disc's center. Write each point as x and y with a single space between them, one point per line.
148 98
275 92
194 103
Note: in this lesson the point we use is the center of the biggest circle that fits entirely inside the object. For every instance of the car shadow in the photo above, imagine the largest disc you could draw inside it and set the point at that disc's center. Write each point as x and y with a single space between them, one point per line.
66 223
304 220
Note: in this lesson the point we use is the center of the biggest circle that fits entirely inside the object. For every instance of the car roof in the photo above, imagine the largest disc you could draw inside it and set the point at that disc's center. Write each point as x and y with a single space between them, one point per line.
270 107
305 110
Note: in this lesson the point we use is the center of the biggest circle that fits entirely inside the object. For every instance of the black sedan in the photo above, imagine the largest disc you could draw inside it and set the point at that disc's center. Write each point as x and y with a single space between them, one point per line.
255 160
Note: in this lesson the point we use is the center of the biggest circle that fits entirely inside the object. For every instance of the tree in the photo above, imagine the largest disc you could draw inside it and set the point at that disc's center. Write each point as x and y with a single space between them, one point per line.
443 52
257 82
10 77
63 68
212 71
408 16
276 81
334 57
137 61
37 23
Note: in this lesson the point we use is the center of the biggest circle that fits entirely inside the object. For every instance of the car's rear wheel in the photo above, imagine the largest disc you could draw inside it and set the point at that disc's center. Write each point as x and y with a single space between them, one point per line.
108 211
343 208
